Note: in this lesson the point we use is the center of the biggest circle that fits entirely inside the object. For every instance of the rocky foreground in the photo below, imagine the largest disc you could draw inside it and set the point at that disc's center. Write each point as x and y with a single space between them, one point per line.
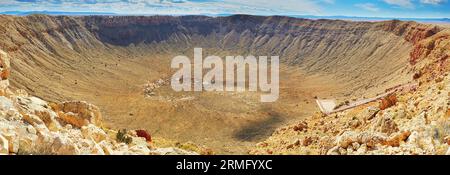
418 123
412 121
30 125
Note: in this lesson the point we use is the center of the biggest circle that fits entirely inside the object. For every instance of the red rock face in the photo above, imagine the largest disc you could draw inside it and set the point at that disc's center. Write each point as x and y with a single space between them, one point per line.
412 32
429 41
434 52
417 34
144 134
4 66
418 52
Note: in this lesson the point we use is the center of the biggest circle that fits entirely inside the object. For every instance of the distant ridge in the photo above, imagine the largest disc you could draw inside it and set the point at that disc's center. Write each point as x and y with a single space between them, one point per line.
54 13
351 18
357 18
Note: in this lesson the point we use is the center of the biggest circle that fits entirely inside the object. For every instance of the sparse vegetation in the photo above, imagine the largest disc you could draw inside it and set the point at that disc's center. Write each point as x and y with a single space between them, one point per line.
123 137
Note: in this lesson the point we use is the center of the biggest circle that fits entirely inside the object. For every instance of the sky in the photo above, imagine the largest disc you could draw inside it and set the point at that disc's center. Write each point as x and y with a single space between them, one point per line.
360 8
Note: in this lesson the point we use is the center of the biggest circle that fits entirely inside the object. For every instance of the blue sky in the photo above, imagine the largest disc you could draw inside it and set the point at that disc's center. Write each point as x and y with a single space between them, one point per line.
364 8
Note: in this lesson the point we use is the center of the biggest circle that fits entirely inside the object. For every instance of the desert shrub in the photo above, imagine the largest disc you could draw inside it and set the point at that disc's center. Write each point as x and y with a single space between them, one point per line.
144 134
122 136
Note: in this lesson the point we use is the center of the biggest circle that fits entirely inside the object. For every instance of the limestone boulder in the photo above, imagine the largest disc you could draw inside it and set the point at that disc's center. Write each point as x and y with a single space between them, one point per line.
63 145
32 107
79 113
4 145
107 147
28 144
93 132
13 141
5 104
347 138
97 150
8 110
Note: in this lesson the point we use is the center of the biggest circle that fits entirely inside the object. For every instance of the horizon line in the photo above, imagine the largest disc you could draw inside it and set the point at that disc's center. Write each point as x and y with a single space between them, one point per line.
87 13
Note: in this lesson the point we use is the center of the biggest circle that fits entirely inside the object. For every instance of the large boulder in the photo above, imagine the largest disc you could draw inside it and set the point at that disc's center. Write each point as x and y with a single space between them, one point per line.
107 147
5 104
33 106
79 113
347 138
63 145
93 132
27 144
13 141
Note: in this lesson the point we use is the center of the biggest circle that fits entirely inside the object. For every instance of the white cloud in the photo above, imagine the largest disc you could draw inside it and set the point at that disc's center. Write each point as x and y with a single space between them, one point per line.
410 3
257 7
288 6
433 2
329 1
401 3
368 6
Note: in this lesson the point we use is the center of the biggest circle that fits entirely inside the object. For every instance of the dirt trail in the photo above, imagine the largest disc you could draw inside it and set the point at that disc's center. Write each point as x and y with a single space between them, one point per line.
327 107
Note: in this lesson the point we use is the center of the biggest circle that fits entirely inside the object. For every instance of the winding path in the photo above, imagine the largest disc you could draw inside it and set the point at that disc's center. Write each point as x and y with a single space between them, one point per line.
328 106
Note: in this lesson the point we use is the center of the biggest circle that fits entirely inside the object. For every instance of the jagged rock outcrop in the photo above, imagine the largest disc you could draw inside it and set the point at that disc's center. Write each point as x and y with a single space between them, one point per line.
430 56
78 113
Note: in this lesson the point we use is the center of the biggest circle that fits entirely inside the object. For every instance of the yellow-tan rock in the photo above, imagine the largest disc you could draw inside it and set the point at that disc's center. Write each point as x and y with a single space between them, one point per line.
4 145
79 113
